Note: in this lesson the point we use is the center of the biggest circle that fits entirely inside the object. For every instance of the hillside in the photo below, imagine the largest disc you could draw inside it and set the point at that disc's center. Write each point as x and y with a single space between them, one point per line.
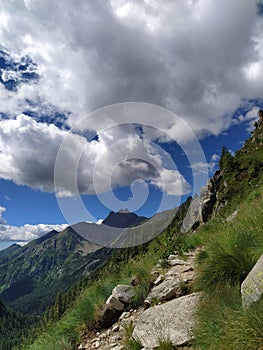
56 260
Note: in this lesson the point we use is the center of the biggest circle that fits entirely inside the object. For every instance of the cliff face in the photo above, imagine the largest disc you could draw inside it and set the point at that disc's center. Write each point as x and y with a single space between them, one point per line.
239 172
201 208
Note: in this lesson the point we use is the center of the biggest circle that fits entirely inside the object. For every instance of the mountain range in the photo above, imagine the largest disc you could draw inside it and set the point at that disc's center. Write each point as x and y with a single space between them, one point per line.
31 276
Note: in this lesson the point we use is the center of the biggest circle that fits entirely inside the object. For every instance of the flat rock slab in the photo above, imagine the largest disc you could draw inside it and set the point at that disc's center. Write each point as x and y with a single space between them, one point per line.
174 321
252 286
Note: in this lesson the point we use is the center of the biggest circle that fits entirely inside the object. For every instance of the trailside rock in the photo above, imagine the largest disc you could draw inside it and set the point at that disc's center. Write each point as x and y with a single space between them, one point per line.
174 321
252 286
108 316
167 290
123 293
115 303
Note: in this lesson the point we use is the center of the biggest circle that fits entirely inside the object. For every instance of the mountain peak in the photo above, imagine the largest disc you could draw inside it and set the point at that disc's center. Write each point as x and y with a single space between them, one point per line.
123 219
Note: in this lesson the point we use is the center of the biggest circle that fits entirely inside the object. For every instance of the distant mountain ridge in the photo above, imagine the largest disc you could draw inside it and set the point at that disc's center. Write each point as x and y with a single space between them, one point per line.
123 219
57 259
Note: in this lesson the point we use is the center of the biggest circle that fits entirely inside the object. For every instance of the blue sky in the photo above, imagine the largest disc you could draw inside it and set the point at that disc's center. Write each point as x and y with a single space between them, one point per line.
106 98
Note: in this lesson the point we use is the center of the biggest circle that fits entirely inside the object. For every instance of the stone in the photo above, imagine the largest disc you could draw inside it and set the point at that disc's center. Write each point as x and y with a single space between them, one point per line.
175 262
201 208
179 270
232 216
159 280
125 314
172 256
123 293
174 320
108 316
252 286
115 328
167 290
115 303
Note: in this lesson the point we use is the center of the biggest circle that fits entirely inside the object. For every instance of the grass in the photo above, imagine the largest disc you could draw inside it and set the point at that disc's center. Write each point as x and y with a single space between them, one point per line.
129 341
224 324
64 334
165 345
231 250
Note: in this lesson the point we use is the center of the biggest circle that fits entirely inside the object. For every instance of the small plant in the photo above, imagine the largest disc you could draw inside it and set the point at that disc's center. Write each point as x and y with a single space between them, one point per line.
165 345
130 342
164 263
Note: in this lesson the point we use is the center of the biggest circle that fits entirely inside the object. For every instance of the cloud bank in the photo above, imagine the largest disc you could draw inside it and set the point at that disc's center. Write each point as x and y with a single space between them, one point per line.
26 232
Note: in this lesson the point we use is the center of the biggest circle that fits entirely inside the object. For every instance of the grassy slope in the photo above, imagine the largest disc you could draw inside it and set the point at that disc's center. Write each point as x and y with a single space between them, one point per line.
231 250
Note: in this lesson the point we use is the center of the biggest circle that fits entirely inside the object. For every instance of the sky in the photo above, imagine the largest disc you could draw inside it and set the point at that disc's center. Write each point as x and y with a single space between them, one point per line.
112 104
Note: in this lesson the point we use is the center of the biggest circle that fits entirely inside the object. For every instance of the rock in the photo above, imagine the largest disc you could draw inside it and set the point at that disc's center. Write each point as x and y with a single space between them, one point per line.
123 293
167 290
172 256
201 208
159 280
108 316
232 216
115 303
173 320
175 262
193 216
252 286
124 315
115 328
179 270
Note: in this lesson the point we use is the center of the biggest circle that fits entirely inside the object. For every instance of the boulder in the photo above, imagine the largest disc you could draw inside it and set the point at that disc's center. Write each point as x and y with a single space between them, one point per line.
115 303
123 293
108 316
174 321
167 290
252 286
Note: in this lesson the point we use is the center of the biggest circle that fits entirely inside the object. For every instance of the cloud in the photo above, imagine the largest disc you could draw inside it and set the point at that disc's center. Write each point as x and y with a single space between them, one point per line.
29 149
201 59
204 167
2 210
27 232
198 58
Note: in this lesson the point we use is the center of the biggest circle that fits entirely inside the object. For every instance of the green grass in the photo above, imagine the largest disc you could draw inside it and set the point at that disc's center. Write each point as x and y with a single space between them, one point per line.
224 324
165 345
64 334
230 251
129 342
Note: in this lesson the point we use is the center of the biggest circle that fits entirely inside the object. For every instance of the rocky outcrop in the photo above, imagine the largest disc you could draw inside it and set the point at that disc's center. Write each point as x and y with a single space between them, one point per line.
252 286
174 321
201 208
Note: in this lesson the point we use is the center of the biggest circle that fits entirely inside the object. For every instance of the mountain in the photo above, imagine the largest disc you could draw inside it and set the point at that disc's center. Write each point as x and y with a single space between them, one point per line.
123 219
7 253
56 260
